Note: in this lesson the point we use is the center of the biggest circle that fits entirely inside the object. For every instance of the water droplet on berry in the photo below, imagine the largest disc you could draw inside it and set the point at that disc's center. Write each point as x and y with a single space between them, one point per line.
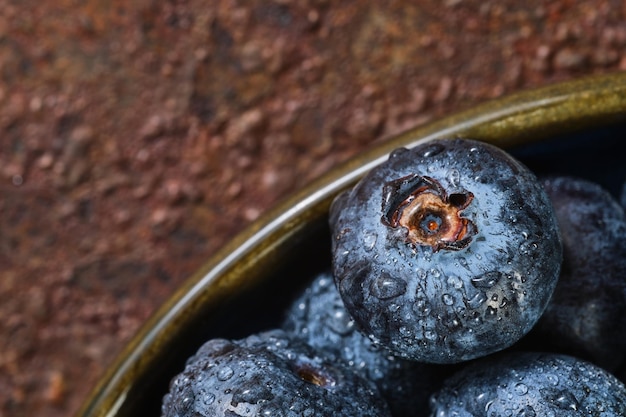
369 240
207 397
432 150
397 152
447 299
386 286
491 312
566 401
455 282
225 373
430 334
528 247
421 306
552 379
487 280
521 388
454 177
477 300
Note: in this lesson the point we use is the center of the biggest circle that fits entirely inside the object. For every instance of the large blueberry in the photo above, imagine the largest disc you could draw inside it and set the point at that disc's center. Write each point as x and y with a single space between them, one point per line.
587 313
445 252
268 374
528 384
318 317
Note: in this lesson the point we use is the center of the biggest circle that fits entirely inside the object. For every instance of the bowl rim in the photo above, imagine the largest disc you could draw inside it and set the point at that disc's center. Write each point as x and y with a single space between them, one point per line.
510 120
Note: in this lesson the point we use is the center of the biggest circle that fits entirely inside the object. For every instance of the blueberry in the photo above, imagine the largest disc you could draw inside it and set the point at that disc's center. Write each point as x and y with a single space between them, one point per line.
531 384
587 314
445 252
318 317
268 374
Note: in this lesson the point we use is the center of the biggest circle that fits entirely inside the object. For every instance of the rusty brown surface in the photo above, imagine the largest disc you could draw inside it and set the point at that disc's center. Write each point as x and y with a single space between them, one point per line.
136 137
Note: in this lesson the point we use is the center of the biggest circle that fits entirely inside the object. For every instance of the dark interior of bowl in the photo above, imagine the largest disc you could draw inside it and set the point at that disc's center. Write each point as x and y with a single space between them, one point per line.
593 154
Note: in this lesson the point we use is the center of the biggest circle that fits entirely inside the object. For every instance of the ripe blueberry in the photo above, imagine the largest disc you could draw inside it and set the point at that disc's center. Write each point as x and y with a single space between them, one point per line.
319 318
587 313
445 252
268 374
530 384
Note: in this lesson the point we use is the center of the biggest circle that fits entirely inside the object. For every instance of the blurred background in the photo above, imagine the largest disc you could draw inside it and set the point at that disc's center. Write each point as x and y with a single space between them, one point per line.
137 137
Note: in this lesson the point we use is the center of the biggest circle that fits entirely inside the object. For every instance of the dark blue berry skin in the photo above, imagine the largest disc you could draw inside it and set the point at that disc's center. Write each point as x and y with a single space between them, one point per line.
268 374
445 252
587 314
319 317
531 384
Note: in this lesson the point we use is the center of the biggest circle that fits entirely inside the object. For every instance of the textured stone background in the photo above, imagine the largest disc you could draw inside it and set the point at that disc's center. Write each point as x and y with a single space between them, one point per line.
136 137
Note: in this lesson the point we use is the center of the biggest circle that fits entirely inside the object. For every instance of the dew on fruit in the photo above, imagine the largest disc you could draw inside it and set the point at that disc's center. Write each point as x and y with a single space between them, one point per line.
397 152
225 373
432 150
447 299
527 247
207 398
387 286
552 379
491 312
454 177
421 306
477 300
487 280
566 401
455 282
369 240
521 388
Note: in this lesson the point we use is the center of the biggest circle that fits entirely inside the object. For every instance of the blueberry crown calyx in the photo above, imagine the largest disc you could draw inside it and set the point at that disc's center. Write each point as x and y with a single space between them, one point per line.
431 216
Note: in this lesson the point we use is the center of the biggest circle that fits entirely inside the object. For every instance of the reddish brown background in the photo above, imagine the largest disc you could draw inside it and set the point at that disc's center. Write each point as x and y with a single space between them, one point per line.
136 137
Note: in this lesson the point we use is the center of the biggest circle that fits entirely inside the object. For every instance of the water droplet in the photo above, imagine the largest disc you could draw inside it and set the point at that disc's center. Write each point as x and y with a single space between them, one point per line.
447 299
455 282
552 379
386 286
521 388
207 398
566 401
487 280
430 334
477 300
432 150
454 177
225 373
369 240
421 306
528 247
397 152
491 312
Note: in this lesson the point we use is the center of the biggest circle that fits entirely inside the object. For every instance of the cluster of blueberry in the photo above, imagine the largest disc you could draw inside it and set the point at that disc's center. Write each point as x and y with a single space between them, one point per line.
461 285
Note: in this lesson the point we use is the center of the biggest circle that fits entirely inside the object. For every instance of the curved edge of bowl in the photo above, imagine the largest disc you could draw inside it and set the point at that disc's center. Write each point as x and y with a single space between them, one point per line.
507 121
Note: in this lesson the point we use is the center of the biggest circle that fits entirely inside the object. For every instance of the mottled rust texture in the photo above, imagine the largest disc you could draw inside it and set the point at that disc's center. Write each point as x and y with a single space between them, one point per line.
136 137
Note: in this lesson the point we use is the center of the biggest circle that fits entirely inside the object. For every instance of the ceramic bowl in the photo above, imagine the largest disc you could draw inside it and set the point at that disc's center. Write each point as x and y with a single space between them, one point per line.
569 128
